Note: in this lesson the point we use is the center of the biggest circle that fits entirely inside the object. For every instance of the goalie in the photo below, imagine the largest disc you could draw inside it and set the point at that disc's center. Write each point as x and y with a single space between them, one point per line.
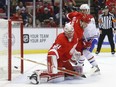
59 55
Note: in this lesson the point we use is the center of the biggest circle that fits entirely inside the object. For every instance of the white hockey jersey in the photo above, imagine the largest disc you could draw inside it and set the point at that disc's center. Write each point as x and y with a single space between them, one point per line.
91 31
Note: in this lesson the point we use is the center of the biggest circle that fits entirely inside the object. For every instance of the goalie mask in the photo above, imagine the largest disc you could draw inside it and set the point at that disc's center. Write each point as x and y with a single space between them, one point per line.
85 8
69 30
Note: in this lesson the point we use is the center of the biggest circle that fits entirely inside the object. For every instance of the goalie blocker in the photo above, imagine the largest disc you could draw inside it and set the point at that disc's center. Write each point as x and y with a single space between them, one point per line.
52 74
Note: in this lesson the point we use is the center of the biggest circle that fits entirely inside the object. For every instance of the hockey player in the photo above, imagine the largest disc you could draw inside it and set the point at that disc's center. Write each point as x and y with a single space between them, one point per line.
89 35
77 18
63 49
79 22
91 31
86 36
59 55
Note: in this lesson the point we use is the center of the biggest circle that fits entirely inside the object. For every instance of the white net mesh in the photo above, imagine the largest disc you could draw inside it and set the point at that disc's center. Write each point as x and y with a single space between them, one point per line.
3 48
15 46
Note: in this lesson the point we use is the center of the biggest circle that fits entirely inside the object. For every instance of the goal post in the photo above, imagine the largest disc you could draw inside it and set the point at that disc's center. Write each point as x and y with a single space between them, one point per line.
11 43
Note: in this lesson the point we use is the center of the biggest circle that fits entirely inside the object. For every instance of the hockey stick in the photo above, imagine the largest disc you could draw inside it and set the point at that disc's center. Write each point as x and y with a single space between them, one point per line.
59 68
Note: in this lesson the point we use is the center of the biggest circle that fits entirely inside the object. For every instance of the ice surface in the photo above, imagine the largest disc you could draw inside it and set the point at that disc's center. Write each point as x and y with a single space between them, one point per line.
106 62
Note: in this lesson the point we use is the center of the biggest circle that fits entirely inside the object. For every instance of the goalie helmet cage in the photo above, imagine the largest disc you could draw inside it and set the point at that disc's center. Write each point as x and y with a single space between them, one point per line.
9 41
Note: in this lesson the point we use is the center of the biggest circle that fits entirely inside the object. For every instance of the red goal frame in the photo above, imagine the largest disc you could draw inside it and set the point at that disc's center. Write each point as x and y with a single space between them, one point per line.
10 48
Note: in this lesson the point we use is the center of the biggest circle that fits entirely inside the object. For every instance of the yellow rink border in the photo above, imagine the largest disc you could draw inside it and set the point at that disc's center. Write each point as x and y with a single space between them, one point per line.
103 50
45 51
35 51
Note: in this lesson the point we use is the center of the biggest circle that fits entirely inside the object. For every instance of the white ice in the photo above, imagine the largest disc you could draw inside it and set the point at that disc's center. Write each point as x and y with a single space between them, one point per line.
106 62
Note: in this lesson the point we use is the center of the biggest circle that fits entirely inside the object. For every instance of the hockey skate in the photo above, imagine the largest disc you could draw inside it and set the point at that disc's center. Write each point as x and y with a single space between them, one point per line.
113 52
96 70
34 78
97 52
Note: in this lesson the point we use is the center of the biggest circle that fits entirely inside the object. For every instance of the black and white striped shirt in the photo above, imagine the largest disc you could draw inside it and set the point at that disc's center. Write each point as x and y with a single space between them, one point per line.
107 21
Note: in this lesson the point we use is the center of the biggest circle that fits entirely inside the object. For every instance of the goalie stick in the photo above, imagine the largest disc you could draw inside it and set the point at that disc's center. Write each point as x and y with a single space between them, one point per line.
59 68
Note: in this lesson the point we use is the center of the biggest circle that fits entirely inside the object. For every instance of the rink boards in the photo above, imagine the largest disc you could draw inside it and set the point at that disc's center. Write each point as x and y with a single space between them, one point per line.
39 40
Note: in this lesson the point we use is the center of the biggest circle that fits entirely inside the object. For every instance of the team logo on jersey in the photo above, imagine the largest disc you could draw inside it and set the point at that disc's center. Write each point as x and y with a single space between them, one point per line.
57 46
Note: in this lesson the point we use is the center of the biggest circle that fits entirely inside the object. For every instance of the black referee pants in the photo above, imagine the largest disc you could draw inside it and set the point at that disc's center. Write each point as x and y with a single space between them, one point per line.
109 34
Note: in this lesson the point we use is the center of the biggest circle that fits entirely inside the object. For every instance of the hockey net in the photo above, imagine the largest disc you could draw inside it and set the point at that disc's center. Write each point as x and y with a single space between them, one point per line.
11 45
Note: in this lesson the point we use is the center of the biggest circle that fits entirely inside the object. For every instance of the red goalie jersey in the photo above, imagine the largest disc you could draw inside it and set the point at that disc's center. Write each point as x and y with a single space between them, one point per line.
63 48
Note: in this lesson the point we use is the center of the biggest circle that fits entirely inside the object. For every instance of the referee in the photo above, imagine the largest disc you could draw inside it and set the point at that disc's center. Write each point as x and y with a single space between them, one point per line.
107 27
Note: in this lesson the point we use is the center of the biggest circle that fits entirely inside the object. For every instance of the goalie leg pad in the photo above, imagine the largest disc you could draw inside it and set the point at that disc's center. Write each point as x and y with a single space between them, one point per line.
44 76
52 64
55 78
